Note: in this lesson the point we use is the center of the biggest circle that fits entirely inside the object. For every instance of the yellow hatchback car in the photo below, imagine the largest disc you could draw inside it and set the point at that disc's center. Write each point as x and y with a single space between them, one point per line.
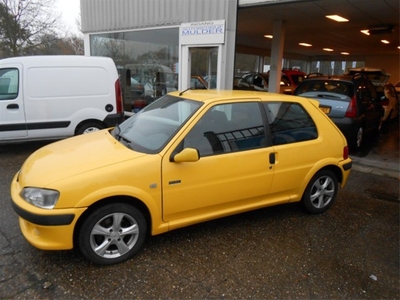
188 157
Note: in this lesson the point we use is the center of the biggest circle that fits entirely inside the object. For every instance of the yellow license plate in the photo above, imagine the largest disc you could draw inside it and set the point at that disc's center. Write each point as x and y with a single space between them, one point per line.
326 110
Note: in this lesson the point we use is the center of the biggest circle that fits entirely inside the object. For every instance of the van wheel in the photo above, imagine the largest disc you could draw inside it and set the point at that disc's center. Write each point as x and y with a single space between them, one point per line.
89 127
112 233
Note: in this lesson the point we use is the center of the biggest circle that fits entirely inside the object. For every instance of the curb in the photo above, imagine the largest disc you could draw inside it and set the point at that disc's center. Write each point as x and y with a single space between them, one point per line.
385 169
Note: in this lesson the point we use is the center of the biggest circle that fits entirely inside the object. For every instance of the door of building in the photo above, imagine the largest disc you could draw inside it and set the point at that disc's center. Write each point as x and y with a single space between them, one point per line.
200 64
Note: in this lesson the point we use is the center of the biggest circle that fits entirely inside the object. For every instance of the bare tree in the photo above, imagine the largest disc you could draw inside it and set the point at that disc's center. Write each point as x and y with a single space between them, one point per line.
24 23
76 44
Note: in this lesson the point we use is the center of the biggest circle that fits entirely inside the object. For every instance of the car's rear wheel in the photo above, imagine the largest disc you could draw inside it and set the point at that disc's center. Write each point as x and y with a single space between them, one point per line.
111 234
359 137
321 192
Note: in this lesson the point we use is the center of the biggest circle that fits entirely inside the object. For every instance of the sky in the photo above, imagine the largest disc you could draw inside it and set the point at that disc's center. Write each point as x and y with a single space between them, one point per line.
70 10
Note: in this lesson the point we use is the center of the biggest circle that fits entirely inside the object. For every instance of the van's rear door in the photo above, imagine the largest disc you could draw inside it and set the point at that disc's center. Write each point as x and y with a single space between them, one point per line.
12 112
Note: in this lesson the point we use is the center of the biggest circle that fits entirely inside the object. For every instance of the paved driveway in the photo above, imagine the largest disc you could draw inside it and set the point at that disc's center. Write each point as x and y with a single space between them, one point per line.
350 252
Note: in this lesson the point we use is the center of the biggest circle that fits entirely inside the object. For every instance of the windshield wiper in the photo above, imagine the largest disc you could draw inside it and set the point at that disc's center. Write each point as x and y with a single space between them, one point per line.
326 95
120 138
116 132
127 143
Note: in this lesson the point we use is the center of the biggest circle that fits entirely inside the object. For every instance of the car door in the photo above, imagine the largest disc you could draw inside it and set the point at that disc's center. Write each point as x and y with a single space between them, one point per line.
296 147
371 109
233 174
12 112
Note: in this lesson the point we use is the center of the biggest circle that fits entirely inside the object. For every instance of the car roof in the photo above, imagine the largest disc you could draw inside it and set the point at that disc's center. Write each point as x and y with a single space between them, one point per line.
291 71
348 78
215 95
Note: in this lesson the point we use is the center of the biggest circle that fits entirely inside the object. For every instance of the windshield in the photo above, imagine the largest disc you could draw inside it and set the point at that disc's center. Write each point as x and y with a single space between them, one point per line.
149 130
297 78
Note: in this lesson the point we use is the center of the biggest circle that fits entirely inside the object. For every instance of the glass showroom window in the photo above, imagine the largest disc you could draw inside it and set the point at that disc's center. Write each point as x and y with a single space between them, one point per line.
151 56
334 67
245 63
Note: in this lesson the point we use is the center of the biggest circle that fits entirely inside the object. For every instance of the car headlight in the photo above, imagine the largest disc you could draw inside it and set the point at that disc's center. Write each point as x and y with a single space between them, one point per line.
42 198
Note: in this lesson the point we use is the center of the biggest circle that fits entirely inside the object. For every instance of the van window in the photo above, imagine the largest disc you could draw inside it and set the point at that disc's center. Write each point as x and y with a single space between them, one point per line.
8 84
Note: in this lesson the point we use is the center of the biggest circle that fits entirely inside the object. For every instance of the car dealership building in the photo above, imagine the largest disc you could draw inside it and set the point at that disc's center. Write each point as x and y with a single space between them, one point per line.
180 38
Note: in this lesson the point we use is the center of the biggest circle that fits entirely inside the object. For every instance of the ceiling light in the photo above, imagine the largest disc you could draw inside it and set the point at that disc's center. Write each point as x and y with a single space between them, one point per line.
305 44
337 18
327 49
398 47
365 31
380 29
345 53
385 41
268 36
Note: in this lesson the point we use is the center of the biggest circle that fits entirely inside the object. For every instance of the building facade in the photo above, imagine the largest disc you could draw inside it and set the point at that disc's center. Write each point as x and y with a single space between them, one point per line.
164 41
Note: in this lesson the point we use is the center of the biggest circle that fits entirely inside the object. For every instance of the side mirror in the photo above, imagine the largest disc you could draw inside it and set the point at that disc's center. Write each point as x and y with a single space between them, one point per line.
187 155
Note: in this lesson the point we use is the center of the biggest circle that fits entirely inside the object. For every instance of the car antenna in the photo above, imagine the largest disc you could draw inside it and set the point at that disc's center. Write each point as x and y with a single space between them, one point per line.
181 93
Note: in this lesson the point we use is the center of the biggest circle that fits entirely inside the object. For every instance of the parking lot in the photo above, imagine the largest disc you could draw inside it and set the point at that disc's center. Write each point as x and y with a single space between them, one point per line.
349 252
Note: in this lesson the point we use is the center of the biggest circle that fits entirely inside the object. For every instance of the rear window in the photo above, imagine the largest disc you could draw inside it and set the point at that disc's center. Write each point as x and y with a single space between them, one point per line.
331 86
289 123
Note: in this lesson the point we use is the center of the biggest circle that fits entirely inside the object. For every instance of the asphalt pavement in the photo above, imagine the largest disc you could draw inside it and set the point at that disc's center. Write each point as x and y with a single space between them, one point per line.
349 252
380 156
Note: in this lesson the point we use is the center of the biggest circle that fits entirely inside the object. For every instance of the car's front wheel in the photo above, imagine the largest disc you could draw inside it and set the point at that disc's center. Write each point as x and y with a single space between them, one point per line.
321 192
112 233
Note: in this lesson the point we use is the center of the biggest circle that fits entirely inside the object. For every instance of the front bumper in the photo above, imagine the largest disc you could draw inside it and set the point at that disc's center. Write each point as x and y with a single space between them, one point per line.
47 220
46 229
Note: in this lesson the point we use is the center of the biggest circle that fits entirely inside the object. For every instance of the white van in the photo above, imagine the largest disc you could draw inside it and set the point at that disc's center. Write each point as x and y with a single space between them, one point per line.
52 97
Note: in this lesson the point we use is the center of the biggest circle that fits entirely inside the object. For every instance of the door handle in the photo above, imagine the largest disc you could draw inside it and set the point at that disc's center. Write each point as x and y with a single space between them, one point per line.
272 158
12 106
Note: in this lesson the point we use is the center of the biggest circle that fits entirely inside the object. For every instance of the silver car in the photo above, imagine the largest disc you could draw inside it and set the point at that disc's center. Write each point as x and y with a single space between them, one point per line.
351 102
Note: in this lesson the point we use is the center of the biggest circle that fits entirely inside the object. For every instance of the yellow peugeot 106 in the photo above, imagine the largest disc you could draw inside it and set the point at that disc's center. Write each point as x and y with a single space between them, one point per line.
186 158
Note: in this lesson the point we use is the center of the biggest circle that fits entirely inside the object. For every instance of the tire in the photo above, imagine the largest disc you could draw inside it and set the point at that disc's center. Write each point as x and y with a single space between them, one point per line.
112 233
359 137
89 127
321 192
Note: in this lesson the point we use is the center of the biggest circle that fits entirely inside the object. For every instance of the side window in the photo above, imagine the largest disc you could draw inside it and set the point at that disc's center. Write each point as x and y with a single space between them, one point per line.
228 128
289 123
8 84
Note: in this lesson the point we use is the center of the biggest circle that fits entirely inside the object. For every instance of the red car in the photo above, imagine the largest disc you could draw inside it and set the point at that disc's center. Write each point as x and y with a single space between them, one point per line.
295 76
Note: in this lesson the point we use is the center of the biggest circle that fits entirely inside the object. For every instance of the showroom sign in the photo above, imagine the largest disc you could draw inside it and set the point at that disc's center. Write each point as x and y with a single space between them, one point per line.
206 32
